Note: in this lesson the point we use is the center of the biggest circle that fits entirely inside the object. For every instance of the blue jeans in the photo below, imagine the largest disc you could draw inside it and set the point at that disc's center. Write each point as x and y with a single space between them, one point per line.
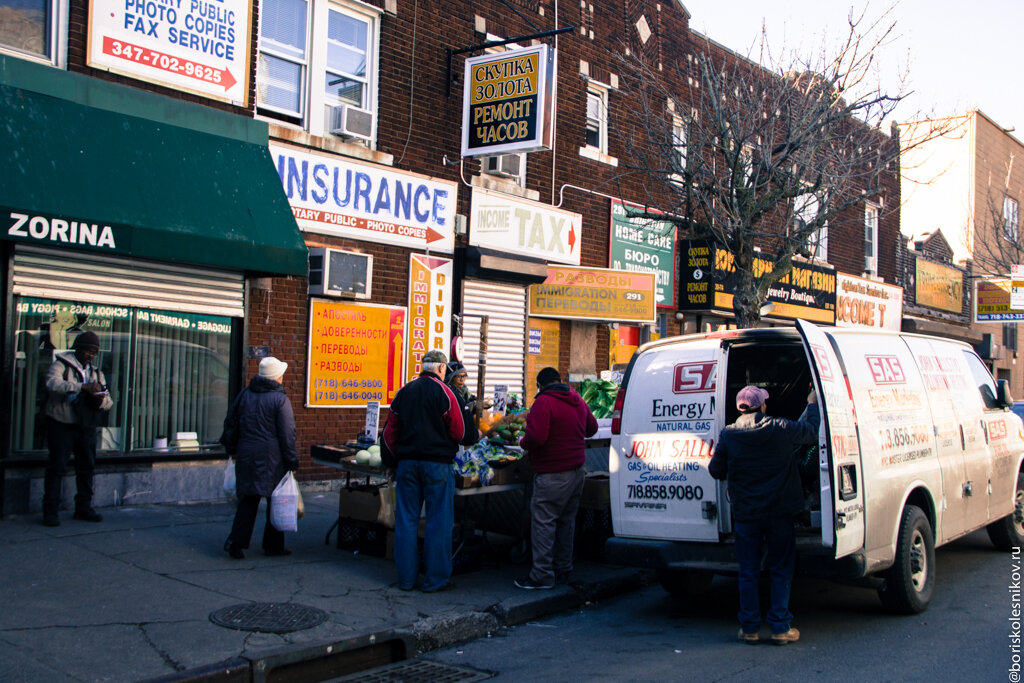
433 483
778 534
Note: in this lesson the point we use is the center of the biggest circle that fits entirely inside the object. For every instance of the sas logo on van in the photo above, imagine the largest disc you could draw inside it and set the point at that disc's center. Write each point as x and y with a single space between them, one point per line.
886 369
694 378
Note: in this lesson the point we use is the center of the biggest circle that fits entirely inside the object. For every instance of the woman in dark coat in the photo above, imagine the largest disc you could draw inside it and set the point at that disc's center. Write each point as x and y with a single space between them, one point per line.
262 425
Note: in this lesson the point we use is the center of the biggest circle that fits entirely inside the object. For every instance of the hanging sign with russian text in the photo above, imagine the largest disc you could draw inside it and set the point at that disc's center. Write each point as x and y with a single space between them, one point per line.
508 102
645 245
200 46
338 196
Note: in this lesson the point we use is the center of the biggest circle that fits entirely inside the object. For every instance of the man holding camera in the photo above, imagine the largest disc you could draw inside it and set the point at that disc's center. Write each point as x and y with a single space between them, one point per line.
75 403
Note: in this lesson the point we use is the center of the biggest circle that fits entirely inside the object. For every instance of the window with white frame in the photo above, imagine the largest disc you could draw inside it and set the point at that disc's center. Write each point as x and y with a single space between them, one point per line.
32 28
1011 227
597 118
805 212
870 238
313 56
678 146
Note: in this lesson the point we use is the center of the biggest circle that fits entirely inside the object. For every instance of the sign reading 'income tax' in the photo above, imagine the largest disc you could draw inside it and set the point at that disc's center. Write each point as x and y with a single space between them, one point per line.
508 103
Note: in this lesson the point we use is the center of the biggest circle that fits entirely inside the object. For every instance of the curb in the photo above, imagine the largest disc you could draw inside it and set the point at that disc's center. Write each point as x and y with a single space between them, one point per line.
364 651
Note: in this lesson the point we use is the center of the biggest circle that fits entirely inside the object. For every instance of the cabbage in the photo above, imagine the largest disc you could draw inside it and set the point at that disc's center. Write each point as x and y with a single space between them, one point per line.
363 457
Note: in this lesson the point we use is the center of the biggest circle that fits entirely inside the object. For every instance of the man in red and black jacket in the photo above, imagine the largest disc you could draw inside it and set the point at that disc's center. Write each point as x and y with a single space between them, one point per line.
558 423
423 430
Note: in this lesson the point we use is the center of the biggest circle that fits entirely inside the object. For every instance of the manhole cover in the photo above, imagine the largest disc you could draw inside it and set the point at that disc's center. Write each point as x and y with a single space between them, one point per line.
269 617
415 671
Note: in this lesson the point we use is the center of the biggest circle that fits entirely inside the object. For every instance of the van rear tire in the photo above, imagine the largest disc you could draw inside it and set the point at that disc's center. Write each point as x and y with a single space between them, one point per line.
1008 532
684 584
910 582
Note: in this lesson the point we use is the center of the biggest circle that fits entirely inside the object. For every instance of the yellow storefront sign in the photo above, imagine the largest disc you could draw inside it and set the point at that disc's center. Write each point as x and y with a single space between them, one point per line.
355 354
992 302
597 294
939 286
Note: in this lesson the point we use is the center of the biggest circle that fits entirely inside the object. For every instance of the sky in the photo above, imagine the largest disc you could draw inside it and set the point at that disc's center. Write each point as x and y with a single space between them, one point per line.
958 55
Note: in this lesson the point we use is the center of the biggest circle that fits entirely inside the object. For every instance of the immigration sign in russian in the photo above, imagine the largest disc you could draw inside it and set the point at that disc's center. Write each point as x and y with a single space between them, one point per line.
508 102
355 354
645 245
338 196
992 302
201 46
519 226
708 282
597 294
430 308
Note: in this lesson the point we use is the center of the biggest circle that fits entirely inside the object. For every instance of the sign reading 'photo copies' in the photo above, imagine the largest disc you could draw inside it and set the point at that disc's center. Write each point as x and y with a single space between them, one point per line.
201 46
508 102
355 354
645 245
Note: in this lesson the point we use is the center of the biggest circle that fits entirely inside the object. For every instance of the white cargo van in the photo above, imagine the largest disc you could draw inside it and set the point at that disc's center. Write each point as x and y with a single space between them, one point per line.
917 447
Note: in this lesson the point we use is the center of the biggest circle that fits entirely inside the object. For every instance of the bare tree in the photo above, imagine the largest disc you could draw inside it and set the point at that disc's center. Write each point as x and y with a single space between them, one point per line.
996 231
758 155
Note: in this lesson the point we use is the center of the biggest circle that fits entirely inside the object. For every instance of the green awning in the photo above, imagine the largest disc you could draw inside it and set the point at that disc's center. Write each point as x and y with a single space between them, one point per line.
95 165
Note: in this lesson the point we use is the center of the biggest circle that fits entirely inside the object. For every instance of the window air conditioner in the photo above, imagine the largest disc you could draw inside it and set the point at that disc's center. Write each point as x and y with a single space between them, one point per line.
871 264
333 272
351 122
505 165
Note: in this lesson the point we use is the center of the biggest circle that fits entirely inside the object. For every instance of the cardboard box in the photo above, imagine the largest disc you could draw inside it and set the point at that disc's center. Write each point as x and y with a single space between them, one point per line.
518 472
596 494
361 503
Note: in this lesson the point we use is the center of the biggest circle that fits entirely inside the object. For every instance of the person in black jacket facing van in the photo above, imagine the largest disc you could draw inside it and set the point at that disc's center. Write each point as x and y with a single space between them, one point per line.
260 431
755 456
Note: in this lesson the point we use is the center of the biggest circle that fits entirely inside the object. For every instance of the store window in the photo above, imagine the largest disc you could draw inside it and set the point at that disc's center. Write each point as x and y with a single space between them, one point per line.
678 147
168 372
1010 336
31 27
317 66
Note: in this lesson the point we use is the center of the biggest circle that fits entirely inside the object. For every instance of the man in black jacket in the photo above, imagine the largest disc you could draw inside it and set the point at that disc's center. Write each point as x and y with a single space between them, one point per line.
755 455
423 430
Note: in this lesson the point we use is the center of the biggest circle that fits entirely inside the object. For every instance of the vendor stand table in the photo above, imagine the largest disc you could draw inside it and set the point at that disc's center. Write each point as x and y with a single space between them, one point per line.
338 457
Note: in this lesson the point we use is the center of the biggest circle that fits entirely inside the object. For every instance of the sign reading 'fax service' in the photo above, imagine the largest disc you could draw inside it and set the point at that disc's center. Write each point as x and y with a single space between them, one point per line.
200 46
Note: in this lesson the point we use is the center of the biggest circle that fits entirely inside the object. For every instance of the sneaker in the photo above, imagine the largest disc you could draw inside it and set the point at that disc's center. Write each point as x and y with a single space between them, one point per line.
233 550
749 638
51 520
790 636
88 515
527 583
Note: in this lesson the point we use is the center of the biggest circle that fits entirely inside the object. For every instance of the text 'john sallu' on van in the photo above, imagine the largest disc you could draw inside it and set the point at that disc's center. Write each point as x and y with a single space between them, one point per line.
917 447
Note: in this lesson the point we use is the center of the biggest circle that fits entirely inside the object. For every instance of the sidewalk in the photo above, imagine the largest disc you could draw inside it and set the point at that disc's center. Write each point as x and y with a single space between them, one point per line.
130 598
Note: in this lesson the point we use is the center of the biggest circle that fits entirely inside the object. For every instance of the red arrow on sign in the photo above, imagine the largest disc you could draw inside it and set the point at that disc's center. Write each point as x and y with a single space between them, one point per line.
433 235
166 62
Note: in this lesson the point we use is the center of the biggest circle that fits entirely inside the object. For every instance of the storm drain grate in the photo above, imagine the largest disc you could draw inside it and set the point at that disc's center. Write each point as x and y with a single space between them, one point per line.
415 671
269 617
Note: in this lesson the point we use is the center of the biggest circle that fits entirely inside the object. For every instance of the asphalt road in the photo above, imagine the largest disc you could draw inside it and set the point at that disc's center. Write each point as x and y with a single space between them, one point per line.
965 635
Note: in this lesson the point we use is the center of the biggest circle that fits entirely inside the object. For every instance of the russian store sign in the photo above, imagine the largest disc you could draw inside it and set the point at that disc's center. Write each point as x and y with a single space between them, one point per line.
708 281
938 286
200 46
508 102
595 294
336 196
519 226
645 245
355 354
430 308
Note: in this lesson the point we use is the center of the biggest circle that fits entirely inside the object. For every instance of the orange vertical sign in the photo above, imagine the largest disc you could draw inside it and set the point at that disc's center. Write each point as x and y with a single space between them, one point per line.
355 354
430 308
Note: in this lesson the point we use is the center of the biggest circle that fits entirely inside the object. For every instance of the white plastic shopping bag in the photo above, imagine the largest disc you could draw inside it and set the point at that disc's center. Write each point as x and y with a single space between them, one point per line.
229 478
284 505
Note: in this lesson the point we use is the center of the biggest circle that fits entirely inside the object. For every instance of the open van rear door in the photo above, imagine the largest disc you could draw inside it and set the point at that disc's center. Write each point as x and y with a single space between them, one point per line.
839 466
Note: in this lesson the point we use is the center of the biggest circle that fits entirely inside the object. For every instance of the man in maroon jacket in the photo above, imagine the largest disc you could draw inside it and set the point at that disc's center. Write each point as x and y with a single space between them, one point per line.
556 427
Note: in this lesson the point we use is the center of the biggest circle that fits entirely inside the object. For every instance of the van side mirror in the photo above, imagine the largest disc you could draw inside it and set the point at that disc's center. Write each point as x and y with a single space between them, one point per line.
1005 399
